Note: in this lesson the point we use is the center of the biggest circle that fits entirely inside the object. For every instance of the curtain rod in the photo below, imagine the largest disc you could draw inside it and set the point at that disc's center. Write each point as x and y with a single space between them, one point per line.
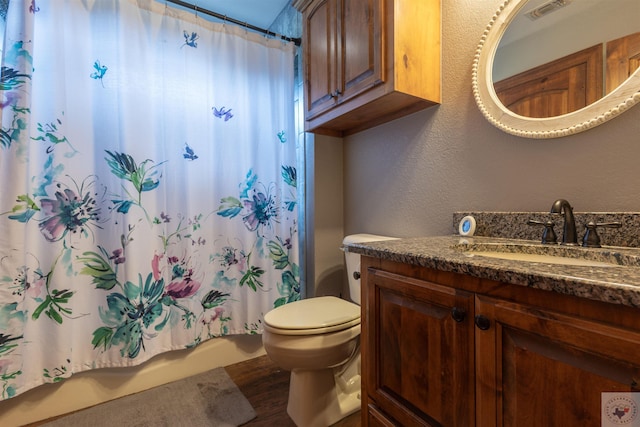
197 9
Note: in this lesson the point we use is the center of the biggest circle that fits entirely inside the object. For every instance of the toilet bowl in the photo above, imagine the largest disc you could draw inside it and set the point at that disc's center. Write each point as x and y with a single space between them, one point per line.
318 340
322 390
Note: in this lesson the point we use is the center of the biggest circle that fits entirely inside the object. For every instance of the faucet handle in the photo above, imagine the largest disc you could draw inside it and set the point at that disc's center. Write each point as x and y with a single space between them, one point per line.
548 235
591 238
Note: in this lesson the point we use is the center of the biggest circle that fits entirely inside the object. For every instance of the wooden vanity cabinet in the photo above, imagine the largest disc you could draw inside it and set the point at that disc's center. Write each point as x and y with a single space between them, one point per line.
368 61
445 349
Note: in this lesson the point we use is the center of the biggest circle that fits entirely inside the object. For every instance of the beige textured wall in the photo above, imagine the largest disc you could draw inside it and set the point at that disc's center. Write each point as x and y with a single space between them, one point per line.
407 177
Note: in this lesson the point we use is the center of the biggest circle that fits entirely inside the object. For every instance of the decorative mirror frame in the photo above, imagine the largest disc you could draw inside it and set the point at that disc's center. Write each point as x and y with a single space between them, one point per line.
606 108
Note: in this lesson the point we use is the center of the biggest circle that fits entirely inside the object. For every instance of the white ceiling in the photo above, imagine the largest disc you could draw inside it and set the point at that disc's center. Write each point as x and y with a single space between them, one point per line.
260 13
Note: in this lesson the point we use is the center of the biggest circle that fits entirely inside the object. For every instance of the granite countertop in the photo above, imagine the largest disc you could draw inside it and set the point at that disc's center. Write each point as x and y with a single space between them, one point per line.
618 283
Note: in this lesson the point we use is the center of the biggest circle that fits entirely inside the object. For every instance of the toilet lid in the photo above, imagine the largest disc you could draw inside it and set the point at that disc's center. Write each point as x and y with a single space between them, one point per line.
321 313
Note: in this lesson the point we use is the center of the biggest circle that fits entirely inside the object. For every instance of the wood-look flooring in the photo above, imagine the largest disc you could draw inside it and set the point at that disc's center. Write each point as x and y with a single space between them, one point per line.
267 388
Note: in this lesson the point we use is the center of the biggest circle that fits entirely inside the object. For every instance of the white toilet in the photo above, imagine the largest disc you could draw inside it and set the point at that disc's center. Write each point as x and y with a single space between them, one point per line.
318 340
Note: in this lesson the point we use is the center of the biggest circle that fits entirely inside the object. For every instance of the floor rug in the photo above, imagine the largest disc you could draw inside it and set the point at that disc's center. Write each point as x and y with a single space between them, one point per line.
207 399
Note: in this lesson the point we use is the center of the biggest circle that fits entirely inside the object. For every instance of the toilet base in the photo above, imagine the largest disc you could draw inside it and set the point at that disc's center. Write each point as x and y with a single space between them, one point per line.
319 398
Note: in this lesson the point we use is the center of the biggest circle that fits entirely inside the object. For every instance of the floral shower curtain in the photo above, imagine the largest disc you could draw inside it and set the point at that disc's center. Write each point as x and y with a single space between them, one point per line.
148 185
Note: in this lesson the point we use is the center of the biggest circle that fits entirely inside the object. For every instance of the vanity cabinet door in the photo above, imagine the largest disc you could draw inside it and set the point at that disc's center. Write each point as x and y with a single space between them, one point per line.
542 368
419 360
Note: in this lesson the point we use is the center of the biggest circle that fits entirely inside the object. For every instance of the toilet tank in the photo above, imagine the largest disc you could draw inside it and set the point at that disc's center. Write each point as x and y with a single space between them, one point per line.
352 261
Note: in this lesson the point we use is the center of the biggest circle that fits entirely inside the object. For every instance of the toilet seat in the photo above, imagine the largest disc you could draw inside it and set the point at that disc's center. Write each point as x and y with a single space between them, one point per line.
313 316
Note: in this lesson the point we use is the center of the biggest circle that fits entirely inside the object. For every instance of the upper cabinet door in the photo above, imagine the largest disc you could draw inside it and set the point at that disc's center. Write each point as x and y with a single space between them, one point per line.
320 56
343 51
360 61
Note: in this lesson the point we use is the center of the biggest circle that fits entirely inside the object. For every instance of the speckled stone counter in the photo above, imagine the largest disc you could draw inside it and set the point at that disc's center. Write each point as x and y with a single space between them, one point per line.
617 284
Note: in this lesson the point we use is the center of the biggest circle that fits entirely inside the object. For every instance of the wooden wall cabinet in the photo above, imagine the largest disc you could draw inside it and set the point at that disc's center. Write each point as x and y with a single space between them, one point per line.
444 349
367 62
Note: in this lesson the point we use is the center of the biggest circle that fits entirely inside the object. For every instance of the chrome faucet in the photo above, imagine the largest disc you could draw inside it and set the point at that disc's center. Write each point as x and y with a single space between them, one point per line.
569 235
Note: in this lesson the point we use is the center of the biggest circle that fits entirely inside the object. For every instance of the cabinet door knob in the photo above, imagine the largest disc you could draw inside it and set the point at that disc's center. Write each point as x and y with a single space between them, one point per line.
356 275
482 322
458 314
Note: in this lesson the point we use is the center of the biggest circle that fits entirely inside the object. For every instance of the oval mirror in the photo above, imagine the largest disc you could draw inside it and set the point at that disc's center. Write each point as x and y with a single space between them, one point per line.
576 82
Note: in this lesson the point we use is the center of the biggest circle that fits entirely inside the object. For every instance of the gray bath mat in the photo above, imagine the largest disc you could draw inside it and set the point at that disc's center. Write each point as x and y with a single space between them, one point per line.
207 399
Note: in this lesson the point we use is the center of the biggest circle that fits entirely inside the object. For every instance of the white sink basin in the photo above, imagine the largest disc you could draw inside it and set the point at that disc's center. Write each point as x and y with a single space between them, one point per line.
547 259
523 251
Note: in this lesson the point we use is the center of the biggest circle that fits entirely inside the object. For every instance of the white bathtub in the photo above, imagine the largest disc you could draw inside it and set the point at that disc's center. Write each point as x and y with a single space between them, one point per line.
91 388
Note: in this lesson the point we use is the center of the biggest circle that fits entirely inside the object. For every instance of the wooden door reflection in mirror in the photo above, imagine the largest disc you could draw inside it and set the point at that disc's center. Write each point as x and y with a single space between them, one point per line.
558 87
572 82
623 59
